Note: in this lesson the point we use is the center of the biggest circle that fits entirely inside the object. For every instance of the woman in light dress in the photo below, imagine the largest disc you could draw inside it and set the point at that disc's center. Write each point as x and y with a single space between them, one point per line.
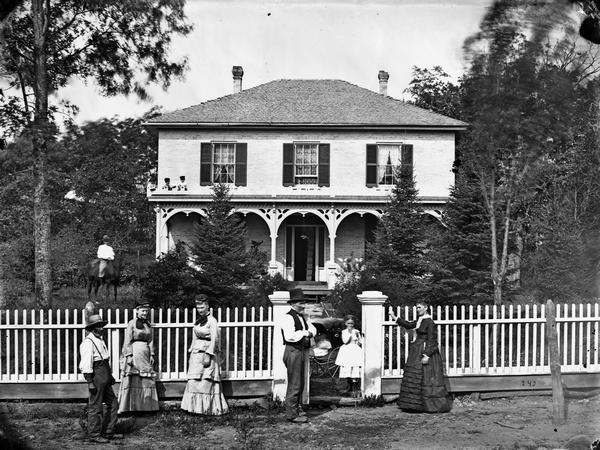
138 378
350 356
203 392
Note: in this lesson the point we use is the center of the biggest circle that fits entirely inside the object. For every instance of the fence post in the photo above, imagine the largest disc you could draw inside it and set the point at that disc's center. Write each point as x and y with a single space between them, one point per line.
559 413
279 299
372 328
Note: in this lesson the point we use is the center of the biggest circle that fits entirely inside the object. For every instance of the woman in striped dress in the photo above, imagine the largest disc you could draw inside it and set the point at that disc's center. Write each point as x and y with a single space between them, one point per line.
423 386
203 392
138 378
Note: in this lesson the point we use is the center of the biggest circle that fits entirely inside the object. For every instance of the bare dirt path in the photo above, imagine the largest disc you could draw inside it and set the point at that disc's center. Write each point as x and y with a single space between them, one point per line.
523 422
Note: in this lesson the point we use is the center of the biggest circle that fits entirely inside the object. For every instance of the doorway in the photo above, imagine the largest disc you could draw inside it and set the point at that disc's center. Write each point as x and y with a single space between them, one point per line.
305 251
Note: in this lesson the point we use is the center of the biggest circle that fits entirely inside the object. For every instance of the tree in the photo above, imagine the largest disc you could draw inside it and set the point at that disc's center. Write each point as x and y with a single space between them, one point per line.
525 88
396 255
108 166
171 282
432 90
460 256
122 45
104 166
220 250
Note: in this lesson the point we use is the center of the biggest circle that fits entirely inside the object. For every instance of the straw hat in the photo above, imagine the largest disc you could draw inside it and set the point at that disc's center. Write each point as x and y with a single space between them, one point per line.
95 321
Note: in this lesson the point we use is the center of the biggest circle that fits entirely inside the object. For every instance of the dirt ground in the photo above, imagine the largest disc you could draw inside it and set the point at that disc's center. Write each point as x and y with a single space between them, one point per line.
523 422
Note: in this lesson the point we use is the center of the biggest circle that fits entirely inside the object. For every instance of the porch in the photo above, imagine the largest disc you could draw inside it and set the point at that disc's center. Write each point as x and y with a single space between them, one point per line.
305 243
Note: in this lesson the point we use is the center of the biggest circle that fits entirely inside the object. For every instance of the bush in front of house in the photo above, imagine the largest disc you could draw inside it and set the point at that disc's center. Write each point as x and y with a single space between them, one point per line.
170 281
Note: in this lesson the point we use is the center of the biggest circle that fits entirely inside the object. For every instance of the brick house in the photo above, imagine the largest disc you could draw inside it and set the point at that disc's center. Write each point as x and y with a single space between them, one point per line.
309 162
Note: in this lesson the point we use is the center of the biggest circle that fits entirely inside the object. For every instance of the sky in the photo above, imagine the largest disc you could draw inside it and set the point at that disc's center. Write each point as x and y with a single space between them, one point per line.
301 39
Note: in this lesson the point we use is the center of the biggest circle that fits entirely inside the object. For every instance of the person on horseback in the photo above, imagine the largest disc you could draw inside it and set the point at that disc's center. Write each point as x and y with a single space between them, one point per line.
105 254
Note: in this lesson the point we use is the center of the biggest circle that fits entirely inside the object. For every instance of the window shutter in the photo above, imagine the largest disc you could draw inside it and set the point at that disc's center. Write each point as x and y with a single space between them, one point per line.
288 164
406 161
205 163
371 165
241 161
323 165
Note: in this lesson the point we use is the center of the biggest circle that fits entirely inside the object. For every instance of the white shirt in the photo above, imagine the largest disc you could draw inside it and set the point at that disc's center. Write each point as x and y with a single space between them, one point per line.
106 252
289 329
89 353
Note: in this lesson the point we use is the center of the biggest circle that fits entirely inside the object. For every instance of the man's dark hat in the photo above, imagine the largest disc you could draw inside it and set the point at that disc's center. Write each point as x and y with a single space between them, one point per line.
142 304
95 321
296 296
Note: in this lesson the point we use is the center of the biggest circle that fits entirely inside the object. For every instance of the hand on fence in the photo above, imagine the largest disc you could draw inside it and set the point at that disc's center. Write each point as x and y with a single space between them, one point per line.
92 388
425 360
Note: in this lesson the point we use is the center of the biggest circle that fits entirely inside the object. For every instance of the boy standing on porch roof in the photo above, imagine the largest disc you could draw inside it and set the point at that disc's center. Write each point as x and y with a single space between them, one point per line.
297 332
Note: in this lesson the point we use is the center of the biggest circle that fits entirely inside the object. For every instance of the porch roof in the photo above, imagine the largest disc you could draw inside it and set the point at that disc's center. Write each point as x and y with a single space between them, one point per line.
309 103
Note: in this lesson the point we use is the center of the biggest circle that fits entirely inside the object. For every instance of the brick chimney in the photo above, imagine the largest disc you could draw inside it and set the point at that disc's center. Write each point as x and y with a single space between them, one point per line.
383 82
238 73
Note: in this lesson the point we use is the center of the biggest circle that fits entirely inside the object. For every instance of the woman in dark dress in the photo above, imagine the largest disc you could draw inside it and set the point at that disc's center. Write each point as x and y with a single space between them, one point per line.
423 388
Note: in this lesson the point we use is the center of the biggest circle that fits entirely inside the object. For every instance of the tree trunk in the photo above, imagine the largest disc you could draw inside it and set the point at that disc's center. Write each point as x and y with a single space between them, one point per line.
40 135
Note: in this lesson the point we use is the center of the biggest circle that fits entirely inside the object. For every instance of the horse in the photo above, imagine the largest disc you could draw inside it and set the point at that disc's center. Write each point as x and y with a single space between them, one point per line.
112 274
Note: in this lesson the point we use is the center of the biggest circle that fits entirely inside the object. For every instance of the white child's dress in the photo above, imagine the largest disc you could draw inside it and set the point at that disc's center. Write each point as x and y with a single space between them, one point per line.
350 356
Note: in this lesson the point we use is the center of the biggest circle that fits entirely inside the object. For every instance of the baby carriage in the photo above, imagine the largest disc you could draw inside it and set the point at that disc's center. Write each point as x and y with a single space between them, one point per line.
327 346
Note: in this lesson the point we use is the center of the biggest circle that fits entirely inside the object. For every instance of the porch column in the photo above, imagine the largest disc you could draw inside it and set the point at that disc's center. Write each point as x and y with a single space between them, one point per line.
279 299
372 326
273 269
159 226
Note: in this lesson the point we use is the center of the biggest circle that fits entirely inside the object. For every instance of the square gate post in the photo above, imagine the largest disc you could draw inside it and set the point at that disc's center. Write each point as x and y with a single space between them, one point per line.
372 327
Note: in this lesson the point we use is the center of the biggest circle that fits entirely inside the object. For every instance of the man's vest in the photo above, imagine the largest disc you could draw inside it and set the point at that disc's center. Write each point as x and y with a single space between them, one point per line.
299 324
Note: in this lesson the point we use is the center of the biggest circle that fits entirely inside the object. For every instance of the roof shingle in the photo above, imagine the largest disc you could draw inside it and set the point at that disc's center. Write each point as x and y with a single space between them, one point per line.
304 102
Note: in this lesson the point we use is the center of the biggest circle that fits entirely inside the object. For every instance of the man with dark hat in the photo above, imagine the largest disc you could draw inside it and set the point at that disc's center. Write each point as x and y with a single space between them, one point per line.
297 332
105 254
97 372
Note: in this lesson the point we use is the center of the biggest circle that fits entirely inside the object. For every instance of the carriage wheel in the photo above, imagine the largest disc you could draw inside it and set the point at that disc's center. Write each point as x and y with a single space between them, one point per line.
317 369
332 368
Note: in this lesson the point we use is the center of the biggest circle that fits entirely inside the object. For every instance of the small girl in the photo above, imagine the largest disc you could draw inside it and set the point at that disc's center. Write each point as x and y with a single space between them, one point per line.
350 356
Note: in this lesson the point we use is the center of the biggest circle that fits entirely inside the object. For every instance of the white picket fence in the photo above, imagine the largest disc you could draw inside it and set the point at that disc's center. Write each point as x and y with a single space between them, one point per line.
43 346
501 340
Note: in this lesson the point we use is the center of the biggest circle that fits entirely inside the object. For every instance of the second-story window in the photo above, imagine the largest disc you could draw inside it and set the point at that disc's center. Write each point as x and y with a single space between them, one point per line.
223 162
388 159
306 163
223 166
384 160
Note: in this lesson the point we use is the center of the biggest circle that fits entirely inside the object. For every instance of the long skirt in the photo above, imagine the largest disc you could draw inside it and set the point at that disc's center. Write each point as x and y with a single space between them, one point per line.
138 387
423 388
204 397
137 393
203 392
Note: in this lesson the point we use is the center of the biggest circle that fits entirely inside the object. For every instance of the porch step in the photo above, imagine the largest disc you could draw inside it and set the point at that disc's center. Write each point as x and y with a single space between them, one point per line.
314 290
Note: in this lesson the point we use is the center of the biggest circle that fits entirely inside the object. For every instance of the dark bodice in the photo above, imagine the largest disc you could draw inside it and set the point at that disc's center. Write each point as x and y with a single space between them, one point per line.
424 333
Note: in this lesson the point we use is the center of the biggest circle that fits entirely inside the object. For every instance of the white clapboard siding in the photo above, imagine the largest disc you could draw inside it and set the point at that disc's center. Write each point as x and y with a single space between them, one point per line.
43 345
499 340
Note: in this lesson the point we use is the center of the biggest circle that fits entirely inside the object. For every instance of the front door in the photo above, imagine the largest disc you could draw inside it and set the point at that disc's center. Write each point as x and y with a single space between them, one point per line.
305 251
